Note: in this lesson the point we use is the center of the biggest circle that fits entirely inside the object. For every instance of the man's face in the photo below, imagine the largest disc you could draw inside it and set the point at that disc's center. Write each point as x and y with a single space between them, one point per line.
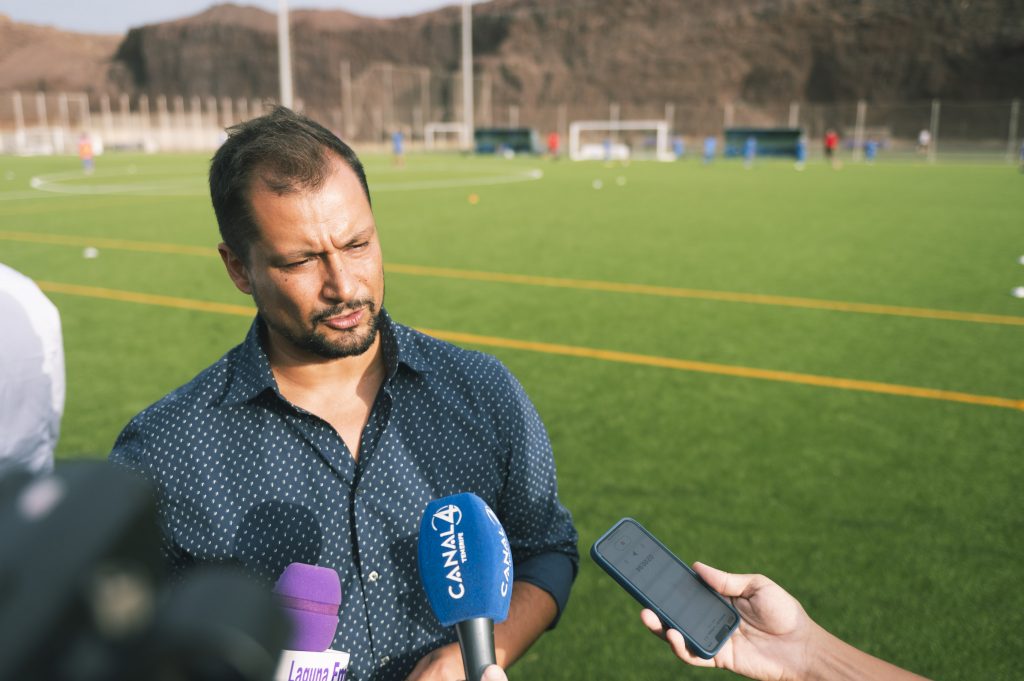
315 270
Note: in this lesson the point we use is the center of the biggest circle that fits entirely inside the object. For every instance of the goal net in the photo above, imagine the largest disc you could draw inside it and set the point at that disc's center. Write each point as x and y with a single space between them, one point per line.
442 135
619 140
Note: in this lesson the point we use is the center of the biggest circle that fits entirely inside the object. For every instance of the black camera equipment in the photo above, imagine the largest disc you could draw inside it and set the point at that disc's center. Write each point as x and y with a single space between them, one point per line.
85 596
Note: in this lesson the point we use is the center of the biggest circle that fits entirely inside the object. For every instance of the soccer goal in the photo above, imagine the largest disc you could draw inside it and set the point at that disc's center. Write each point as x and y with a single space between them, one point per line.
619 140
443 135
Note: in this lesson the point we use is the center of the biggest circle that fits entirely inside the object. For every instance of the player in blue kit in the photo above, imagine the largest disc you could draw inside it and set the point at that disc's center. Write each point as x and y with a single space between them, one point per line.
870 150
397 147
710 146
749 152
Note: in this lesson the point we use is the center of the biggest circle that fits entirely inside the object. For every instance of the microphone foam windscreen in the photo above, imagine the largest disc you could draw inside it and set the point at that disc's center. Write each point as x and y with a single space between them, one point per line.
310 596
465 560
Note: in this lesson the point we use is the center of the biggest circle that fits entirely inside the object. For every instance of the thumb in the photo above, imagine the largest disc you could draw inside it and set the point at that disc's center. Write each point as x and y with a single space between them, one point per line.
723 582
494 673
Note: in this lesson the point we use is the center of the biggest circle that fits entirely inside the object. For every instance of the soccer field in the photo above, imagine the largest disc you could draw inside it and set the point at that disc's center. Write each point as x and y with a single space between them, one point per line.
816 375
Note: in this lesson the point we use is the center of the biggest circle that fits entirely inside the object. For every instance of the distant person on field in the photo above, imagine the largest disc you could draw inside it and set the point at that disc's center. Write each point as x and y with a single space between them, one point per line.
398 147
607 146
31 375
553 143
85 153
710 147
678 147
776 639
1020 157
832 147
870 150
749 151
924 140
801 152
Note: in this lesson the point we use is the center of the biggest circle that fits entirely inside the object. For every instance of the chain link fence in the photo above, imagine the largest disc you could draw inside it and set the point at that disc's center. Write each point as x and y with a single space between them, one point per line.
382 98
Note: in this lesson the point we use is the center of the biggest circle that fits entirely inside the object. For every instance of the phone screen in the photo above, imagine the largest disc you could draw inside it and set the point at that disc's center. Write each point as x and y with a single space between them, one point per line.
657 574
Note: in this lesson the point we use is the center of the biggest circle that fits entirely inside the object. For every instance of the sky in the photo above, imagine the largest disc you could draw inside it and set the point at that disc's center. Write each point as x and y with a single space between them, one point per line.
117 16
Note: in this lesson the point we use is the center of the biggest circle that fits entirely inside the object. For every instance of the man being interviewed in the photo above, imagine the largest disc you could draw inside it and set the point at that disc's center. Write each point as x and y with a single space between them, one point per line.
323 435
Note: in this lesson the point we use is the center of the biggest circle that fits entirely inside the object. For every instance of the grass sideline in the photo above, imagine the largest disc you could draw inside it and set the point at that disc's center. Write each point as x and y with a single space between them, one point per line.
896 520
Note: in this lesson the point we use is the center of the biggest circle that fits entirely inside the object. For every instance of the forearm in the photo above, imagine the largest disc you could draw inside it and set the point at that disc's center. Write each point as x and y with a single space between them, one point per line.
531 611
831 659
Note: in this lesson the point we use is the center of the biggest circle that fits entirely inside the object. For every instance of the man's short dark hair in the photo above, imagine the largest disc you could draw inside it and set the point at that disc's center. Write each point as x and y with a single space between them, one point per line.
285 151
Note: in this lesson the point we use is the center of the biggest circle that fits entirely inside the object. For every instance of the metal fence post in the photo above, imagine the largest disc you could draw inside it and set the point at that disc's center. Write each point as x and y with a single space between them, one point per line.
1011 144
858 131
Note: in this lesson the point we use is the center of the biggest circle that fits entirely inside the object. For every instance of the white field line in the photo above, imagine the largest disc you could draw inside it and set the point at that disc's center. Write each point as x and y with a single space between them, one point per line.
59 184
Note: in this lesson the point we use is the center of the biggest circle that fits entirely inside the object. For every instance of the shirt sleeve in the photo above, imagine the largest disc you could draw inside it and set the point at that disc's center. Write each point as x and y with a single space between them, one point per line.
31 375
553 572
539 527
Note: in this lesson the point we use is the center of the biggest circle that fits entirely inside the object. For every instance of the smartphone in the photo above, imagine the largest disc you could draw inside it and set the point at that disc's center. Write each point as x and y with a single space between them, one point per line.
653 575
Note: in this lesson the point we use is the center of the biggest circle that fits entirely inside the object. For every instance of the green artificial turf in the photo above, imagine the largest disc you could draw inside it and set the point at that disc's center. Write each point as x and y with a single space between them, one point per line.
896 520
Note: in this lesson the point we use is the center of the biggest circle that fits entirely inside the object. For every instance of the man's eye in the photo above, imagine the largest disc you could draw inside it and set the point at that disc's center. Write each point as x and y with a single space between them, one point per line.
359 246
296 263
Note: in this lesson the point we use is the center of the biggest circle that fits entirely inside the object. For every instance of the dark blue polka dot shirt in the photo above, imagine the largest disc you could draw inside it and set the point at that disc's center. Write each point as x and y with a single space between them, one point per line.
242 475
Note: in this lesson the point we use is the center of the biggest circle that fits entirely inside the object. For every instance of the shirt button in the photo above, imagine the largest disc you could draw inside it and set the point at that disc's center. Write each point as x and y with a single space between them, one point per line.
374 576
384 660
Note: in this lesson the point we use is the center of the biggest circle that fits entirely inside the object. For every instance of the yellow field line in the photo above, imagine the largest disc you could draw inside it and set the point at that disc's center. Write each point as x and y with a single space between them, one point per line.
577 351
146 298
729 370
116 244
703 294
85 203
559 282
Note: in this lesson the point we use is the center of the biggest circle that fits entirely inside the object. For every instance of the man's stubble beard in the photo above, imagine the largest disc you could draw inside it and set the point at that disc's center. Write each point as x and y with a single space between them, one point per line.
352 344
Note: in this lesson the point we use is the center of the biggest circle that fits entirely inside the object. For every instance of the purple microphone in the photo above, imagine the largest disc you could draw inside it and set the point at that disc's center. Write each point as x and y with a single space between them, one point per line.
311 597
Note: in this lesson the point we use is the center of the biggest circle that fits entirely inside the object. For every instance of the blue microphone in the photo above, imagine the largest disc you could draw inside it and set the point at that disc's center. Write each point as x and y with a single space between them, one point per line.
466 567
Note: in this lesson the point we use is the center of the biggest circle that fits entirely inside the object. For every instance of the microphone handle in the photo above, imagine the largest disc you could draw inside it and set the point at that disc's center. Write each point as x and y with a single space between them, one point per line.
476 639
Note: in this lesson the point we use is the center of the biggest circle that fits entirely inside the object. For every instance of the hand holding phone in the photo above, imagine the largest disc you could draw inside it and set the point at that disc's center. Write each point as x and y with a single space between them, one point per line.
653 575
776 639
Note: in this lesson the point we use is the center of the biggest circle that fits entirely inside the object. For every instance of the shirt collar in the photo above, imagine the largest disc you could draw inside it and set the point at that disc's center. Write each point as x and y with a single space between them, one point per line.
401 347
251 373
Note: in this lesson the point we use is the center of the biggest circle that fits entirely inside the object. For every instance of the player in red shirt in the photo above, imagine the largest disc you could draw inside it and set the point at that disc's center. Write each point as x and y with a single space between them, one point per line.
553 144
831 146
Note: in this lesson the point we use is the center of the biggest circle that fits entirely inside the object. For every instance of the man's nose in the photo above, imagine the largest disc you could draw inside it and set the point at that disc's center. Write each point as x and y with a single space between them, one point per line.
340 283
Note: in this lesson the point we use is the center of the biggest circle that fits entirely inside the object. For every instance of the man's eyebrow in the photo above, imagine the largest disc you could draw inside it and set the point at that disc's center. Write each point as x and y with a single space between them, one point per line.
299 253
362 235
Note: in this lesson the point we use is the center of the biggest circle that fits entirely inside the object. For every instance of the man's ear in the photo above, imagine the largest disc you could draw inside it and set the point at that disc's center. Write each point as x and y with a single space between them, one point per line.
236 268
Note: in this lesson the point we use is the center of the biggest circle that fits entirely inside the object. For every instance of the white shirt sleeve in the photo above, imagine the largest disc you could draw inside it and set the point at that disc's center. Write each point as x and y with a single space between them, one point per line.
31 374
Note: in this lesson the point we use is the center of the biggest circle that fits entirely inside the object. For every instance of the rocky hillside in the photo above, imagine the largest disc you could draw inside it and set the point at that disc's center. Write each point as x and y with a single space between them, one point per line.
41 57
